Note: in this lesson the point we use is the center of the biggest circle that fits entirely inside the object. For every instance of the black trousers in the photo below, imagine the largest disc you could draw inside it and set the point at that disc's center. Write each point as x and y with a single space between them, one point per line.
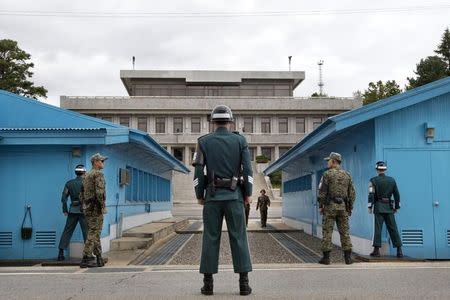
263 213
71 223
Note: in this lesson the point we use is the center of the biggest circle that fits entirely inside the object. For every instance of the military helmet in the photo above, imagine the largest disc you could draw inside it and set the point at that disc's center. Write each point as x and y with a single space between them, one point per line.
222 113
80 169
381 165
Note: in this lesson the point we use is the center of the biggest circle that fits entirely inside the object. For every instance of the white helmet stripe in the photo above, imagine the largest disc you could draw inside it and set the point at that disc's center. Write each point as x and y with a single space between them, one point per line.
221 116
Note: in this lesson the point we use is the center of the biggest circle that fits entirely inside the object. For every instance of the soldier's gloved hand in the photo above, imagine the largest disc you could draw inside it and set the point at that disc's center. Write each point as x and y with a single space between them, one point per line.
201 201
370 210
395 210
321 210
349 212
66 214
247 200
104 211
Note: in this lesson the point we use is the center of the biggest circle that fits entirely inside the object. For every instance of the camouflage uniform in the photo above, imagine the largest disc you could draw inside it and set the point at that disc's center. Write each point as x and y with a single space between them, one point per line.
93 197
336 197
263 204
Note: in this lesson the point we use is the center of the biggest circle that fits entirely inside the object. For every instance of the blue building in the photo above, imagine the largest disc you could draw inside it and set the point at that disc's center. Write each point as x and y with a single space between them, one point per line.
411 131
40 145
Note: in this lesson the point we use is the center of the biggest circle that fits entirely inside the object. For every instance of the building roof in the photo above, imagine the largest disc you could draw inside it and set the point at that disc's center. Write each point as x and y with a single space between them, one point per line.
207 76
349 119
25 121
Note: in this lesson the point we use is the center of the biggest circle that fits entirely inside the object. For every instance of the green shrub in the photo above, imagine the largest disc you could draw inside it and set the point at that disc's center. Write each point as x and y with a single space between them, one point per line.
261 159
275 179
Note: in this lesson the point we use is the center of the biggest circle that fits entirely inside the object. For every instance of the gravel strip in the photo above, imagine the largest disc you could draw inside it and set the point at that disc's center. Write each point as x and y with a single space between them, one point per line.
314 244
263 248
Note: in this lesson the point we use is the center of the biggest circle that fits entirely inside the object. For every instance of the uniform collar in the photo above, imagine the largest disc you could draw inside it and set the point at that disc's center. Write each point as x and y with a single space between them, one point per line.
381 174
222 130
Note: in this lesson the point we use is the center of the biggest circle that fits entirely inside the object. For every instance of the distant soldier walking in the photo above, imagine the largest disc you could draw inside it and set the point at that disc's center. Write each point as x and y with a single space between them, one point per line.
223 153
247 212
74 214
263 204
94 207
381 190
336 198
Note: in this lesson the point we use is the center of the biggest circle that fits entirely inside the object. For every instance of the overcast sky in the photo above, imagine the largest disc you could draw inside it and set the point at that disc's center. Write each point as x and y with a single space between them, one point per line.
359 41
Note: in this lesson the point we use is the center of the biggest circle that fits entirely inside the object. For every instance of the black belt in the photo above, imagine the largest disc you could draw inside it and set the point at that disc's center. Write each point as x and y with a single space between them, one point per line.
338 200
222 183
384 200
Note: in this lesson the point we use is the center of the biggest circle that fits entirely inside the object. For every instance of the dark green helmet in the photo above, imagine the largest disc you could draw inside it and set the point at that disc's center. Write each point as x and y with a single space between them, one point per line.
222 113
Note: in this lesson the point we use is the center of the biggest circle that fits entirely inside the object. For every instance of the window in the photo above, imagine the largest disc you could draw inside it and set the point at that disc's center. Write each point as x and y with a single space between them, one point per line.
265 125
178 153
124 121
252 151
107 118
300 125
283 125
248 125
195 124
283 150
267 152
316 122
142 123
160 125
299 184
177 125
145 187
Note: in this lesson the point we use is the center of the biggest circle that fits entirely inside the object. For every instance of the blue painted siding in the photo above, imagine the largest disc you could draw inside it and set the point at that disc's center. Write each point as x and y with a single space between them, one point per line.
358 154
405 128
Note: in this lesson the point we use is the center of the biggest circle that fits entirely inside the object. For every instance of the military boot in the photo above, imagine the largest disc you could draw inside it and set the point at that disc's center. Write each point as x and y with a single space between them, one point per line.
86 261
375 252
348 257
100 261
399 252
325 259
208 285
61 255
244 288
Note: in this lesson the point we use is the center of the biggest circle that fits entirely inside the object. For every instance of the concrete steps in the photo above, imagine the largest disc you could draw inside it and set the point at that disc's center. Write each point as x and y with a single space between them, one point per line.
142 237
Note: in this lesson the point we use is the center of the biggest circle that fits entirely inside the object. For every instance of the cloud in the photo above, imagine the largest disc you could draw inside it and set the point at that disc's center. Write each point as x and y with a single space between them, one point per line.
83 56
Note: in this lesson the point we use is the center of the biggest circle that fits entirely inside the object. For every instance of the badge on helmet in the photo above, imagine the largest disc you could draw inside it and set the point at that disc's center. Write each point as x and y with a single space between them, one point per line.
222 113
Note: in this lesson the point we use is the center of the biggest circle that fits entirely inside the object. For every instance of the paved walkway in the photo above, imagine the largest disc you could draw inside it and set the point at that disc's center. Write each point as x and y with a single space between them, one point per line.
428 280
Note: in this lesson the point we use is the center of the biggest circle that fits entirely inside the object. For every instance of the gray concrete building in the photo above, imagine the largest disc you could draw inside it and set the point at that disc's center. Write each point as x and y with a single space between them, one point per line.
174 107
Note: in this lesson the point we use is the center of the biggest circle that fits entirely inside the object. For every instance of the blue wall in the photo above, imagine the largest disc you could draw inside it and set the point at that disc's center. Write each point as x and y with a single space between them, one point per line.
422 171
35 175
358 152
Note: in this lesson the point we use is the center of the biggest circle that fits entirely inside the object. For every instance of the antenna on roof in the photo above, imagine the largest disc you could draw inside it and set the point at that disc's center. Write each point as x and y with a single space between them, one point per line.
134 61
321 84
290 58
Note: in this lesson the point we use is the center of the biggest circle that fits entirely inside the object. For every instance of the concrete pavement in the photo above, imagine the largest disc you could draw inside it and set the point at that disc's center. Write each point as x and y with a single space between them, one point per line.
427 280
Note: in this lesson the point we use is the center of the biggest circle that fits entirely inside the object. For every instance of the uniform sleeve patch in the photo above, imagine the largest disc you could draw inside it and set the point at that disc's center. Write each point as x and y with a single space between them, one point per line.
371 188
195 182
250 179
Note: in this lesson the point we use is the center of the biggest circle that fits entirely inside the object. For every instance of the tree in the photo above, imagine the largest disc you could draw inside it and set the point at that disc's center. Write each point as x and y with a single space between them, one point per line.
15 71
428 70
318 95
444 49
380 90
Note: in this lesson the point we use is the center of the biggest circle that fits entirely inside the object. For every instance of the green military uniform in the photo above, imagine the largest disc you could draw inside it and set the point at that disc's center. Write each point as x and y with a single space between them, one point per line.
94 198
263 204
72 188
336 198
225 155
381 190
